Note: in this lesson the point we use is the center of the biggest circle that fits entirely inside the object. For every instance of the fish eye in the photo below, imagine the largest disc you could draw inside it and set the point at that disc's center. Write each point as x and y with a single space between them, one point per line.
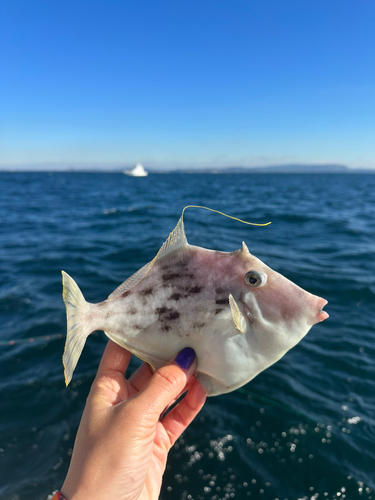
255 279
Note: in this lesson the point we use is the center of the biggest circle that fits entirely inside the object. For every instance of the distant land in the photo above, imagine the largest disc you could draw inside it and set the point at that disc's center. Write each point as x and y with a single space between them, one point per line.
270 169
281 169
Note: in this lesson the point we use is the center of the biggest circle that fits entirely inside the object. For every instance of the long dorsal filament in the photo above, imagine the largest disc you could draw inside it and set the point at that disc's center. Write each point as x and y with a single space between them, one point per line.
225 215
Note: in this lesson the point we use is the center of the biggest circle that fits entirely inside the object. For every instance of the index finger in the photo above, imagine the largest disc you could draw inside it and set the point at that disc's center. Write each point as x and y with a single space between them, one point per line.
115 359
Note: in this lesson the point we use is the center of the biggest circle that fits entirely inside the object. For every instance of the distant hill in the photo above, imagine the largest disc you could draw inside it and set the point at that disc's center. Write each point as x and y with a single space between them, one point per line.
292 168
282 169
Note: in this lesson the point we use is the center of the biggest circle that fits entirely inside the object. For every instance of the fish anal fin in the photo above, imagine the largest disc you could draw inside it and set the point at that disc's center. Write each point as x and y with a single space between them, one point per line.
153 362
237 316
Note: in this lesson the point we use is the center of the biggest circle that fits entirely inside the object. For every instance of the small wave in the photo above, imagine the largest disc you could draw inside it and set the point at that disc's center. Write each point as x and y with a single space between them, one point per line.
107 211
12 303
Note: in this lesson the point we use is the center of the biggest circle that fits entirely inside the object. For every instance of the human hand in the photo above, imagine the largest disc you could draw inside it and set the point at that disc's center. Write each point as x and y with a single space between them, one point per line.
123 440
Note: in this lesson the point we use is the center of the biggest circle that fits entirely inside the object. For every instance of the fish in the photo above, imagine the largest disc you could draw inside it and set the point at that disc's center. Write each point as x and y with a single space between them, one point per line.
239 315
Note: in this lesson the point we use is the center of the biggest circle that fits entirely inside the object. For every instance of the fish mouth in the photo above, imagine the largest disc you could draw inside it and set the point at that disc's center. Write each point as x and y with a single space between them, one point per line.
322 315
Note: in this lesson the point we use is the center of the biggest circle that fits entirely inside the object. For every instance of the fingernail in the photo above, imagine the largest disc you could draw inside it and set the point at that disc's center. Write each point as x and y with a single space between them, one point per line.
185 358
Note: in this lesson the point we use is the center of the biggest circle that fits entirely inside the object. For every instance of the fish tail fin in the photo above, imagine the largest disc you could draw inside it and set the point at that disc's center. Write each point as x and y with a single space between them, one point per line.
78 328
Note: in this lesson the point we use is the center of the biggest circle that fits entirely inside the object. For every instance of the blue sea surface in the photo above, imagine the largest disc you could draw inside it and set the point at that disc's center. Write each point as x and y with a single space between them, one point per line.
302 429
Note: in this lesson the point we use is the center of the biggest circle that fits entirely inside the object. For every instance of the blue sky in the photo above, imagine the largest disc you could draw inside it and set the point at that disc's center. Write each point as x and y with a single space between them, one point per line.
187 83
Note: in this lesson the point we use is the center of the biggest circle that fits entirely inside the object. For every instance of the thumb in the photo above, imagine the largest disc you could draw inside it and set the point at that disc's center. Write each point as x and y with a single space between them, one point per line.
167 383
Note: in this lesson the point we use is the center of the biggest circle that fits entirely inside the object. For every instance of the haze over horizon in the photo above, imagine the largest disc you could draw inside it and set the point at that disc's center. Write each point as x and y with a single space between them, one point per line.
186 85
230 169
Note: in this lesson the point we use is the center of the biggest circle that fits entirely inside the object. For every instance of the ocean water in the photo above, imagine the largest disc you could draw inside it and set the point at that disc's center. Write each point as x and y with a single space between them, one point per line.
302 429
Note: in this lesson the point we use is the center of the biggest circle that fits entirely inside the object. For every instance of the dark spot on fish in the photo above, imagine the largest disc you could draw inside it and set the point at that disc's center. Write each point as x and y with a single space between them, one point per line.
219 290
198 325
170 276
107 315
175 296
132 311
166 313
125 294
165 328
218 310
194 289
173 315
222 301
147 291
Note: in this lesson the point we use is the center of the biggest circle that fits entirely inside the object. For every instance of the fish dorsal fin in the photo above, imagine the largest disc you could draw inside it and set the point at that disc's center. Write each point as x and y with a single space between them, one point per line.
237 316
177 239
133 280
242 250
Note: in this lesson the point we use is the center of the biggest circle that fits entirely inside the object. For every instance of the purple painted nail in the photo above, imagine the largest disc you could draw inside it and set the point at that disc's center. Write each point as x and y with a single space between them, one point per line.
185 358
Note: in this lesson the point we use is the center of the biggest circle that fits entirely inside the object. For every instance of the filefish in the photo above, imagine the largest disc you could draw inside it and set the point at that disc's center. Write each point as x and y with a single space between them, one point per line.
237 314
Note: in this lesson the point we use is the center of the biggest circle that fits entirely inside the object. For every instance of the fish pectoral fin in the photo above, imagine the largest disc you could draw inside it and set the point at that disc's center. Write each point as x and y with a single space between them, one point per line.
237 316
